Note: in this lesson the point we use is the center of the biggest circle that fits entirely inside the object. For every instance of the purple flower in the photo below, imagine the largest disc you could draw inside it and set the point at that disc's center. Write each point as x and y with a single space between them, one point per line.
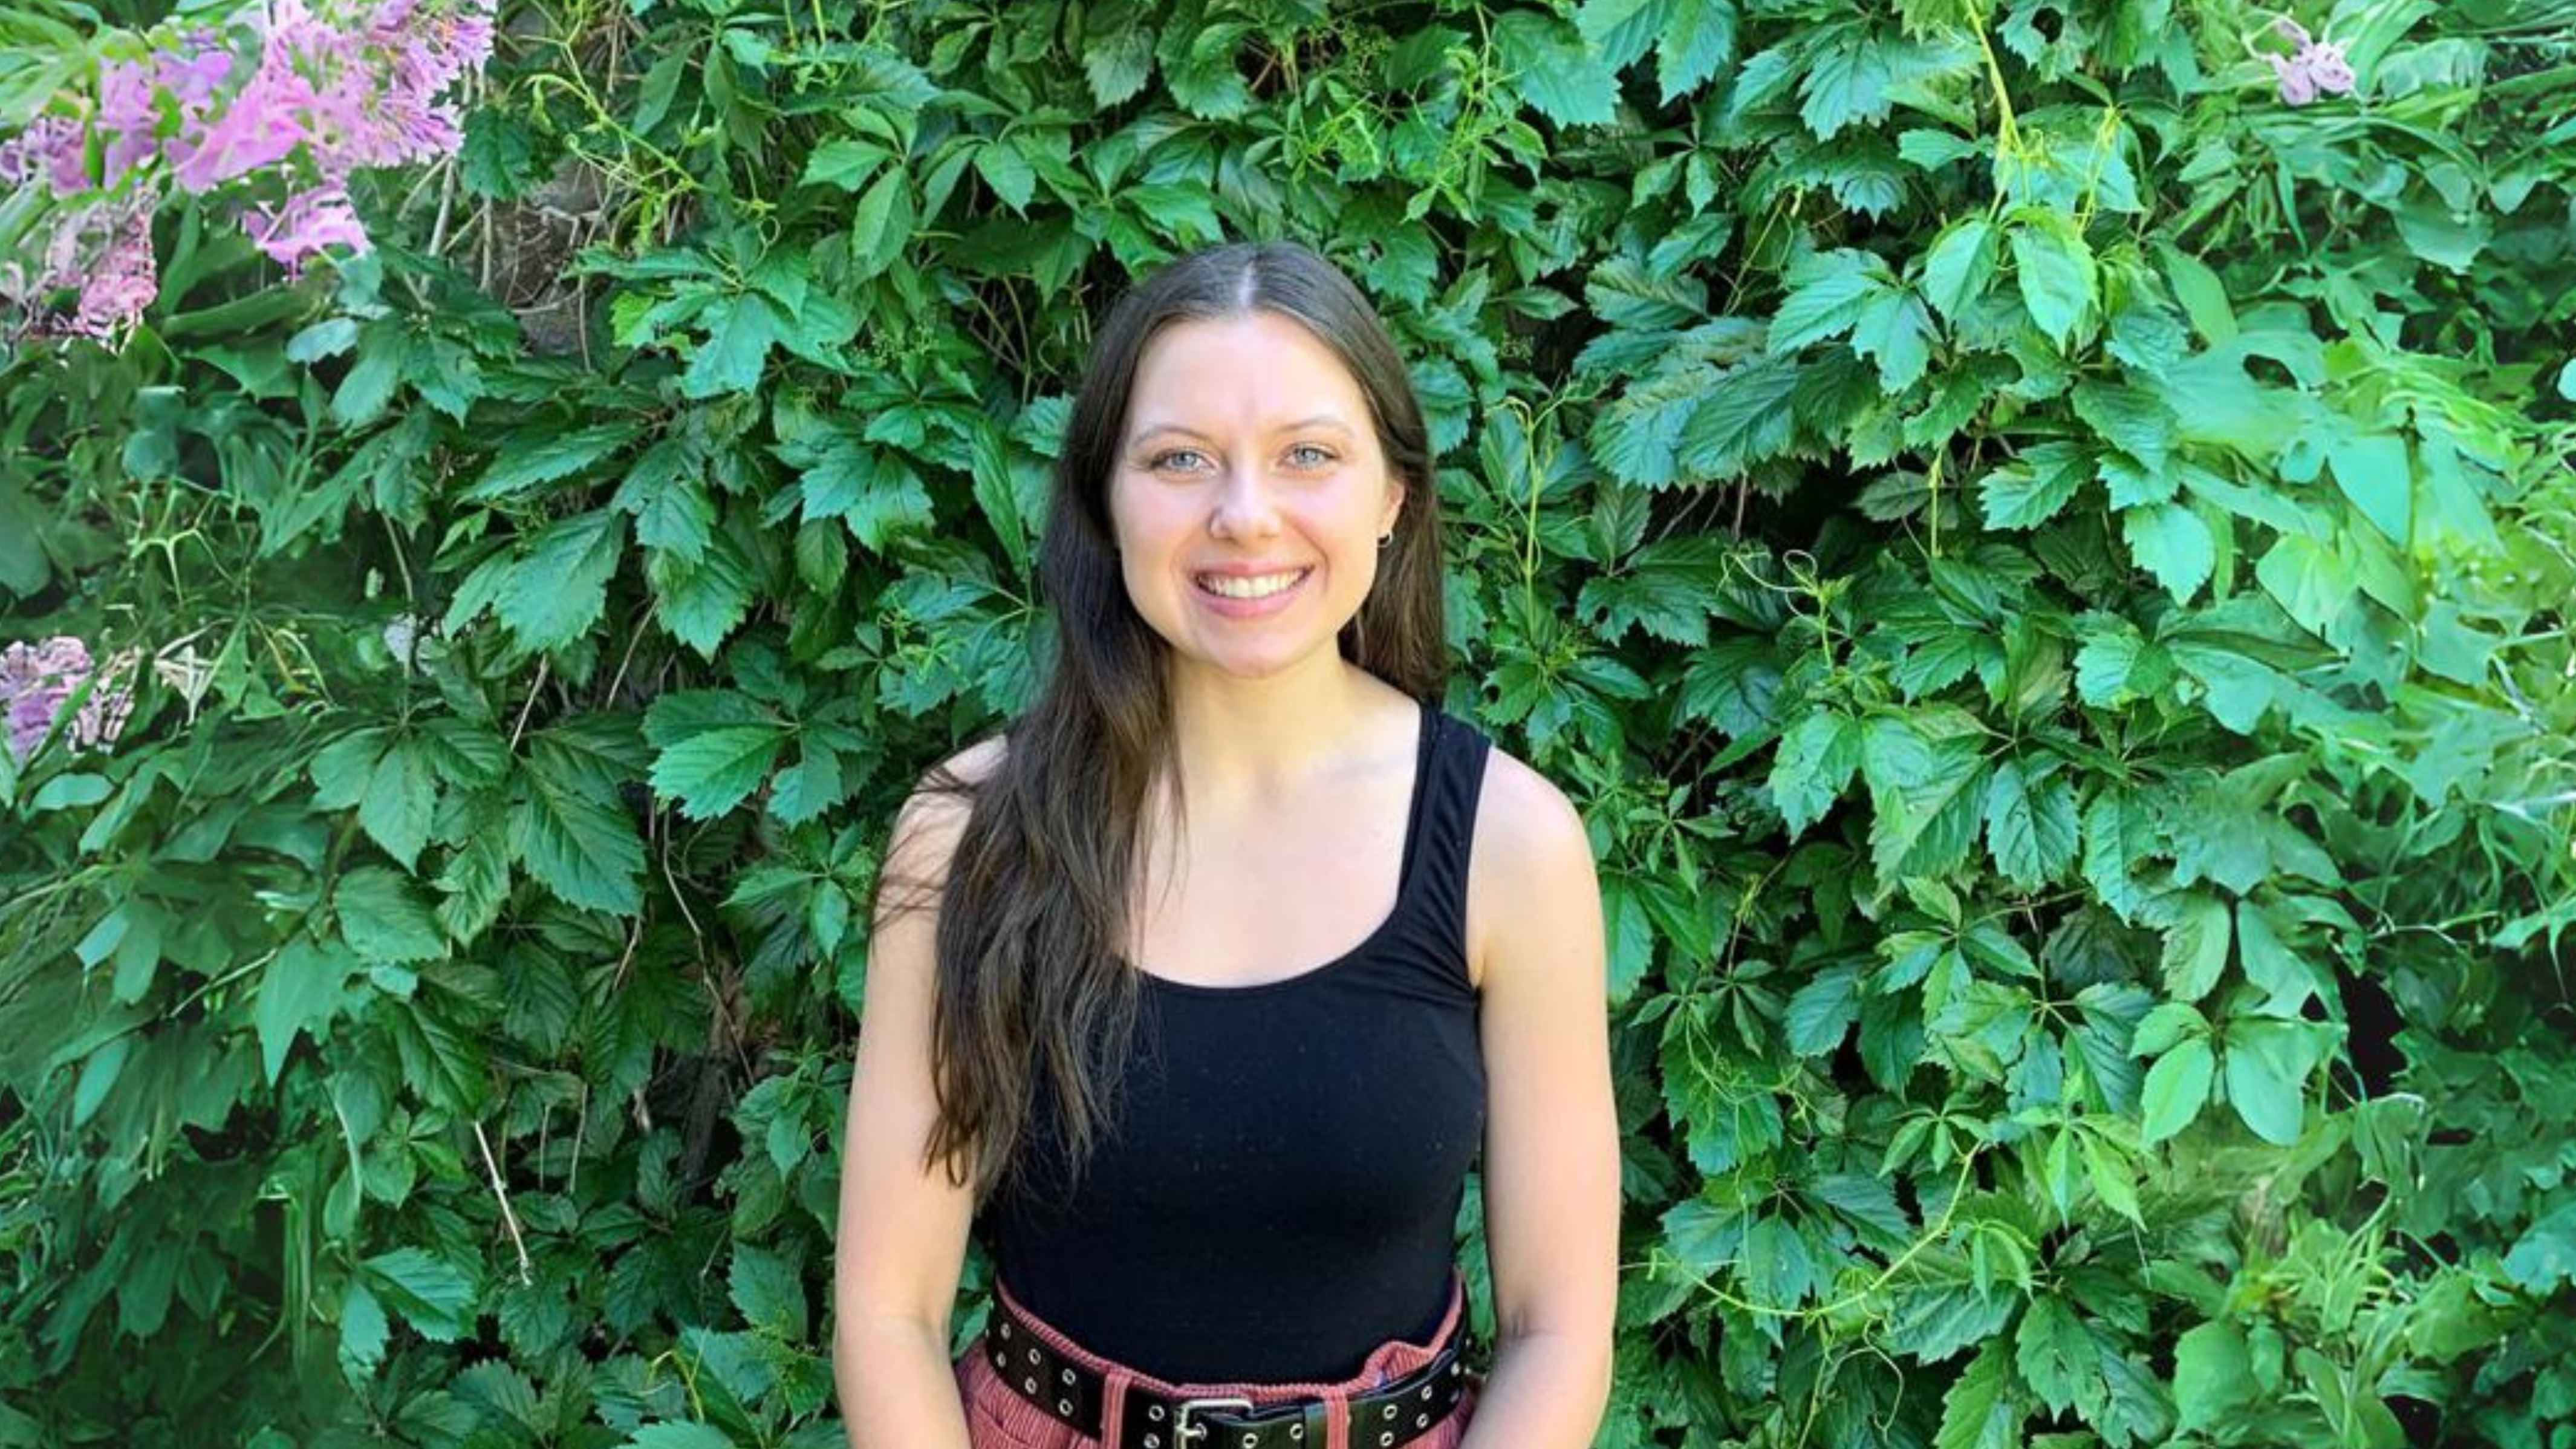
2315 68
36 680
304 225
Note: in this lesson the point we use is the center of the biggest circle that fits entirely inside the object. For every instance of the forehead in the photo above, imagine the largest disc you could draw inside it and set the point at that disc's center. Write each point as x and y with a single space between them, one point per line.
1254 370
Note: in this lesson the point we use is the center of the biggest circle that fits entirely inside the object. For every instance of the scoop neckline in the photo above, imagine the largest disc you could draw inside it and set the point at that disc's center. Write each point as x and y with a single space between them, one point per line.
1406 864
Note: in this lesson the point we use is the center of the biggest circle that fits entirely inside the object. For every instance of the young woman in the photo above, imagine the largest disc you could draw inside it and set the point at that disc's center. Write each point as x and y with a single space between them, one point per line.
1195 993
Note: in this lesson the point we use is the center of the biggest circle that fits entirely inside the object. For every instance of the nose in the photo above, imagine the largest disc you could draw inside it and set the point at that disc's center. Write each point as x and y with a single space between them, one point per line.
1243 508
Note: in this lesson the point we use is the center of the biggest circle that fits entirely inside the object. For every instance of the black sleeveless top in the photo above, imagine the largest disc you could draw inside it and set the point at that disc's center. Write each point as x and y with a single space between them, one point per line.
1282 1188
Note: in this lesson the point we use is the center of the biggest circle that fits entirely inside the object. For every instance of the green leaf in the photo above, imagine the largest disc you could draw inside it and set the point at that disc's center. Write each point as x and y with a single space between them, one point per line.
1777 1265
1118 64
666 493
558 589
1814 763
769 1292
574 834
1847 84
2132 419
702 602
2172 542
1744 419
1826 290
395 809
714 770
2372 471
2059 280
2203 296
1822 1011
2059 1359
531 458
2213 1376
1978 1412
846 162
2266 1066
1959 266
1925 795
881 224
1554 70
432 1294
300 992
2031 825
364 1333
2195 946
2543 1259
1895 331
1697 39
2177 1088
740 330
2034 487
383 920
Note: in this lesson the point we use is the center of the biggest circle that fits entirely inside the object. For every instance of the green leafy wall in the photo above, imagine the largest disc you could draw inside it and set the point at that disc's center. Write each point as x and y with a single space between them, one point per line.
2044 566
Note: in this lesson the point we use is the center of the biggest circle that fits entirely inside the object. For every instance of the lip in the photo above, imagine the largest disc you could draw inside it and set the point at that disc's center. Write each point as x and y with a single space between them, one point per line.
1226 608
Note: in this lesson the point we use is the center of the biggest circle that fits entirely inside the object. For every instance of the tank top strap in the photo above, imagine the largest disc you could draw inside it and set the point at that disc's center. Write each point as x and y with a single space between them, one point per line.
1454 760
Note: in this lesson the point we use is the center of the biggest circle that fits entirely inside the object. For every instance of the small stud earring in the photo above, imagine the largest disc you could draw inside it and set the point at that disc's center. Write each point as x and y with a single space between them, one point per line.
1386 538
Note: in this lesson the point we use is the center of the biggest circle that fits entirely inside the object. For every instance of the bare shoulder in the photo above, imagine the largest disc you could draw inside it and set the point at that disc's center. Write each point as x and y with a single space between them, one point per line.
1530 870
926 830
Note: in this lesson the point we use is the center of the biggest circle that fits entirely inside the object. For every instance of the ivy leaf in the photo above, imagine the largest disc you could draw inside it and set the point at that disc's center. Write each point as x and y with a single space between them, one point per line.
382 919
433 1294
702 602
2372 471
1895 331
1826 290
1822 1011
2059 1359
1744 419
2266 1066
2058 276
2213 1375
572 830
2544 1257
712 771
1978 1412
1958 267
666 493
2195 948
300 992
1697 39
1119 63
2177 1088
740 331
881 224
1814 763
526 460
555 592
769 1292
2034 487
1554 70
2031 825
395 808
2172 542
1846 85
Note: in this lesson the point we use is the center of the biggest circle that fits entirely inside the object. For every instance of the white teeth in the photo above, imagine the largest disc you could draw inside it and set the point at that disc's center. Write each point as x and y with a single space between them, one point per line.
1259 587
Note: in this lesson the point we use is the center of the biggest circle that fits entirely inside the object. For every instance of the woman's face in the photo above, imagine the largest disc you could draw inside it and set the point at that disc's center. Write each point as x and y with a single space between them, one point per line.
1248 494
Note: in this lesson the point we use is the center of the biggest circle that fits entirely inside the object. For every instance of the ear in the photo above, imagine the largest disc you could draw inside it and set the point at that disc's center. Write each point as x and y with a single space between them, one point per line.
1395 491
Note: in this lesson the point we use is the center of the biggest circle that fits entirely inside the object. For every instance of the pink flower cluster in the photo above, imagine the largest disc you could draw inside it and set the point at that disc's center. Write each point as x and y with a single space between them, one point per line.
2315 68
36 680
330 92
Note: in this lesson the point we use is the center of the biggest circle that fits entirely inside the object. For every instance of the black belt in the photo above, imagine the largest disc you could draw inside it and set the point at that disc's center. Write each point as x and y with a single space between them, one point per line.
1383 1418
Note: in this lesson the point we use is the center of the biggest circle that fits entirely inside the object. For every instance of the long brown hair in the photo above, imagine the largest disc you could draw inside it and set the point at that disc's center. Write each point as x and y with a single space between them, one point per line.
1037 899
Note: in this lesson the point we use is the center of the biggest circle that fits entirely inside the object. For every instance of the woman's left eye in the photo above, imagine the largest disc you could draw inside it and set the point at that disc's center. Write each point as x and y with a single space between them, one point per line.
1307 455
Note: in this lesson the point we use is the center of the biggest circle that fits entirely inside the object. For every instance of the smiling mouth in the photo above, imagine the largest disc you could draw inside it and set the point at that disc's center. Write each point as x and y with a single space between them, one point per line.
1257 586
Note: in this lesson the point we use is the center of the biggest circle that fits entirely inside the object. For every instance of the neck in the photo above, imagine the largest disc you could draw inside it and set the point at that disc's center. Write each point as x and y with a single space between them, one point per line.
1243 740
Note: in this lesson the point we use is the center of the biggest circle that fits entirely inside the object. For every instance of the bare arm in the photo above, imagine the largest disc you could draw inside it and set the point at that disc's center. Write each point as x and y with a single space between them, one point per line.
1552 1131
902 1234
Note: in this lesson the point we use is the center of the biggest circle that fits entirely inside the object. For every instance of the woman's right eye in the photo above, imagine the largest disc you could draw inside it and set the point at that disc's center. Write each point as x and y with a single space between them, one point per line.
1177 460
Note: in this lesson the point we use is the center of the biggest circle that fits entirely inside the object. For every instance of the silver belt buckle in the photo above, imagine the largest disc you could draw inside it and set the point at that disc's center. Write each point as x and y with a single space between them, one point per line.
1183 1431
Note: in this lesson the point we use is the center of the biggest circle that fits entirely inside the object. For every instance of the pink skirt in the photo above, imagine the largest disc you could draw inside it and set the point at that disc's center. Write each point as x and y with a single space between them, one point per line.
998 1418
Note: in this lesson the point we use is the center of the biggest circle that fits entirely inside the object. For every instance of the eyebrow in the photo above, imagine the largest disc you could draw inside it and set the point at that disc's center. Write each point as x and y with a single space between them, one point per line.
1319 420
